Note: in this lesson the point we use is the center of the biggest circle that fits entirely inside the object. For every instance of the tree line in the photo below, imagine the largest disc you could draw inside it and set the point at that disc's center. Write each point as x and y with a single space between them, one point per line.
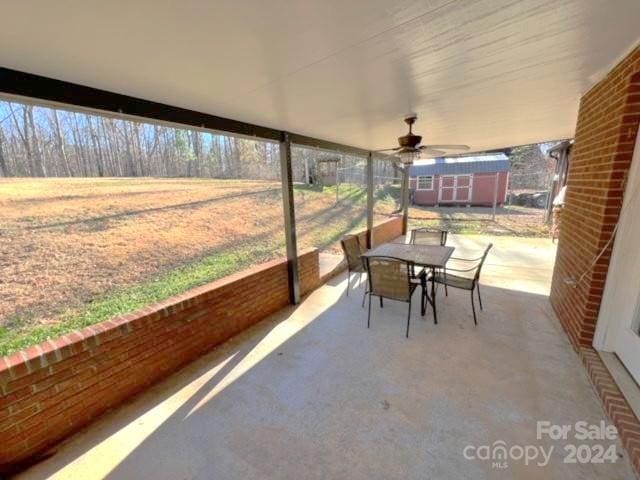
38 141
530 167
47 142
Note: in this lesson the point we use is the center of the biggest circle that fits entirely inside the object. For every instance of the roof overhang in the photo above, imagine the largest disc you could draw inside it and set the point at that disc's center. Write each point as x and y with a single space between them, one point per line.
488 73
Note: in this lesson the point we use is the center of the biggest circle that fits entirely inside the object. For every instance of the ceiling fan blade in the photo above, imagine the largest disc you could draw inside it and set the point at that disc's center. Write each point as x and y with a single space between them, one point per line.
387 150
431 153
447 147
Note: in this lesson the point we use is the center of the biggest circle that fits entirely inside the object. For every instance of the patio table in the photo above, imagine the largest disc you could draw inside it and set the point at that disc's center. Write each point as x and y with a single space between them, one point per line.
427 256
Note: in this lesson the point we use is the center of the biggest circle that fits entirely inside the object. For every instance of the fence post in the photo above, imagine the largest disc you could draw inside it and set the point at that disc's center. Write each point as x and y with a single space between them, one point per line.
337 183
405 199
306 170
370 200
289 218
495 196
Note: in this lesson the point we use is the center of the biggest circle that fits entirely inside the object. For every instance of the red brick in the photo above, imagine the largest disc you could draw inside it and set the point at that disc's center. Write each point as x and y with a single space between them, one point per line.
57 387
607 122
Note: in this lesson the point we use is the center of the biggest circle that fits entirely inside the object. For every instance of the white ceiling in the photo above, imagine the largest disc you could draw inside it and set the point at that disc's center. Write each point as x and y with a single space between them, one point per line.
489 73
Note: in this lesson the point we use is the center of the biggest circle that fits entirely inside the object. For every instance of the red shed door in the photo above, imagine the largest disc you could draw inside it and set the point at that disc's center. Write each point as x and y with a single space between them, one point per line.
455 188
447 188
463 188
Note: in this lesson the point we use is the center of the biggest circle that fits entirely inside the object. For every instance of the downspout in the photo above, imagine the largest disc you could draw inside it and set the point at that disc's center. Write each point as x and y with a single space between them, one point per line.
548 214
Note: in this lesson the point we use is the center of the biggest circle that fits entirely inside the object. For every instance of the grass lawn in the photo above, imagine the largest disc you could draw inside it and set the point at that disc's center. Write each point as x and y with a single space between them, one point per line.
75 252
19 334
80 251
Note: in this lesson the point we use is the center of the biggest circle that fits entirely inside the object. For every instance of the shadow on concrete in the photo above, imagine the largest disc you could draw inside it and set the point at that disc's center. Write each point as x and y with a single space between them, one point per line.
261 419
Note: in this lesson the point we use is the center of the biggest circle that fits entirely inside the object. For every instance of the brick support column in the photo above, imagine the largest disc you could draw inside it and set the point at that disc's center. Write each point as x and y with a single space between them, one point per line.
605 136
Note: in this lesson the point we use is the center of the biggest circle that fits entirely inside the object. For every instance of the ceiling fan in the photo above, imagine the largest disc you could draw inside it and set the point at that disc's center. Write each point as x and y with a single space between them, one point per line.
409 148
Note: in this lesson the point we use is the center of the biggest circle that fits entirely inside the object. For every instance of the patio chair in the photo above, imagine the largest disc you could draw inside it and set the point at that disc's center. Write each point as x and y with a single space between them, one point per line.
470 283
428 236
353 250
391 278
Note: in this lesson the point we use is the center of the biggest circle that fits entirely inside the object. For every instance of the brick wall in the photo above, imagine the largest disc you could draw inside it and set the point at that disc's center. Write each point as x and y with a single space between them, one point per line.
614 403
604 140
386 231
51 390
383 232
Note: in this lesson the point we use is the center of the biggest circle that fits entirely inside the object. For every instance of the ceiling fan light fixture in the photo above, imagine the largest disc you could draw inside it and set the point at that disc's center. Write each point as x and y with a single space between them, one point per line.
408 156
409 150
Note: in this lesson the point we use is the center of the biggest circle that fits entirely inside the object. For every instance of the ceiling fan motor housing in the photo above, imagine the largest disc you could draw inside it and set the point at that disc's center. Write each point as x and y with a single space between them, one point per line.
409 141
409 144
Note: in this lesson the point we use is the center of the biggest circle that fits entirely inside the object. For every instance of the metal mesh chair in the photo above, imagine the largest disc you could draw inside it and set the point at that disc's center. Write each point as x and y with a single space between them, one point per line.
353 251
428 236
470 281
390 278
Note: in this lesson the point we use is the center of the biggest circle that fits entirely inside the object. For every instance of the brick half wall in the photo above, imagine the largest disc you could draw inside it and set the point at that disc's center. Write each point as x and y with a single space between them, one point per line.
604 141
383 232
51 390
386 231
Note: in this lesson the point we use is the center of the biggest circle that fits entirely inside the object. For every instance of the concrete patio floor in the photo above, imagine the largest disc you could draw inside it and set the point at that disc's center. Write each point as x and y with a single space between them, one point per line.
312 393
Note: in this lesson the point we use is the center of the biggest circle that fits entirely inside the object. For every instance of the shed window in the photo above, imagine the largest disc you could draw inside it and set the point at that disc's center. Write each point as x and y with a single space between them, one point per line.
425 182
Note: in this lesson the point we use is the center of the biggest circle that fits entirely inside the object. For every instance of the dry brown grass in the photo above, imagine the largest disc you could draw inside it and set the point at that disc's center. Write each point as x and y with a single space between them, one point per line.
77 251
66 242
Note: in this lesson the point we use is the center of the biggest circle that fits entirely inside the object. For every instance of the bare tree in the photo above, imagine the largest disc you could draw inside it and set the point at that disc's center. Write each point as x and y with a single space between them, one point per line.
4 167
38 141
60 143
97 148
23 133
38 159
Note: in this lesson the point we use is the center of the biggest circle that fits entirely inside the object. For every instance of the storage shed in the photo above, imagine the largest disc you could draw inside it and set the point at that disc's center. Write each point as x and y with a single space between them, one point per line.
468 180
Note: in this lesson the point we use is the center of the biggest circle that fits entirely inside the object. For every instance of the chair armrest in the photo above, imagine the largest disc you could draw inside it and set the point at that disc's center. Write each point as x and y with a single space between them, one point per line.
466 259
449 269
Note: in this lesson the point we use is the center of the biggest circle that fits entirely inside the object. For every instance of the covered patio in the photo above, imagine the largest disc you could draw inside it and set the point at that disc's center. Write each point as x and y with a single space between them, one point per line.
311 392
270 372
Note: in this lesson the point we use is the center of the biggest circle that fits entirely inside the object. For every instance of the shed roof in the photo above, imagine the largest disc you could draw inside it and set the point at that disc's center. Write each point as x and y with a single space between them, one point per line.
462 165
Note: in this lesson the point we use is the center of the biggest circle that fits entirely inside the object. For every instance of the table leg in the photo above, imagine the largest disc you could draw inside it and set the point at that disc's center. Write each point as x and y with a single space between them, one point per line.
433 295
